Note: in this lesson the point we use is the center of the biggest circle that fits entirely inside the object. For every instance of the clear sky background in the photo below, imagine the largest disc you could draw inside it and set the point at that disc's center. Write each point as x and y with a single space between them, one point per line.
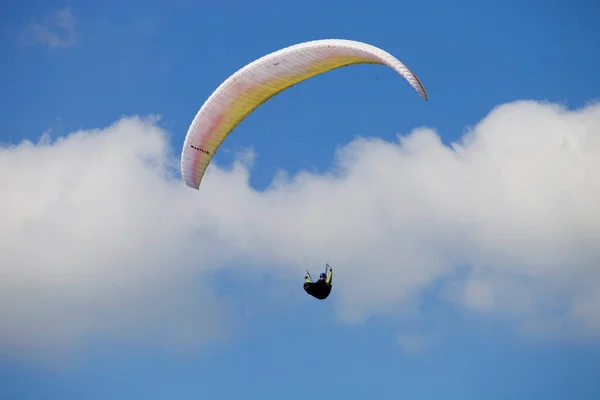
463 231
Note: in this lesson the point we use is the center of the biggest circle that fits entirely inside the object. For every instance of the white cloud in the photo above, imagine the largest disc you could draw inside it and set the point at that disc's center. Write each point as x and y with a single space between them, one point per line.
98 239
55 30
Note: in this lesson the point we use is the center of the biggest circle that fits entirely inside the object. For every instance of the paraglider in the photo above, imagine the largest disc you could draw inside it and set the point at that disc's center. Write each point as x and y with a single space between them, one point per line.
321 288
257 82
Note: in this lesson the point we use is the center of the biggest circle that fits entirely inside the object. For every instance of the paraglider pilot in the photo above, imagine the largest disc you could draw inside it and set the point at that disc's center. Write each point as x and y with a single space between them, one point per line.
321 288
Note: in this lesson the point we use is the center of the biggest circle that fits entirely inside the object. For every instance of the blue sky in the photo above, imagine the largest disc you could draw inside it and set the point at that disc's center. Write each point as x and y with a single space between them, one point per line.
461 279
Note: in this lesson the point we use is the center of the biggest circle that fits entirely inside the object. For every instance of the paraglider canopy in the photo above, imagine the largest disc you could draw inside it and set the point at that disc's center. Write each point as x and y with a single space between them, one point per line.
254 84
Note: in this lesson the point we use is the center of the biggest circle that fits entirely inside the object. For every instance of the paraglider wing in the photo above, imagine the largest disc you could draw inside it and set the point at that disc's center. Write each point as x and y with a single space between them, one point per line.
262 79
